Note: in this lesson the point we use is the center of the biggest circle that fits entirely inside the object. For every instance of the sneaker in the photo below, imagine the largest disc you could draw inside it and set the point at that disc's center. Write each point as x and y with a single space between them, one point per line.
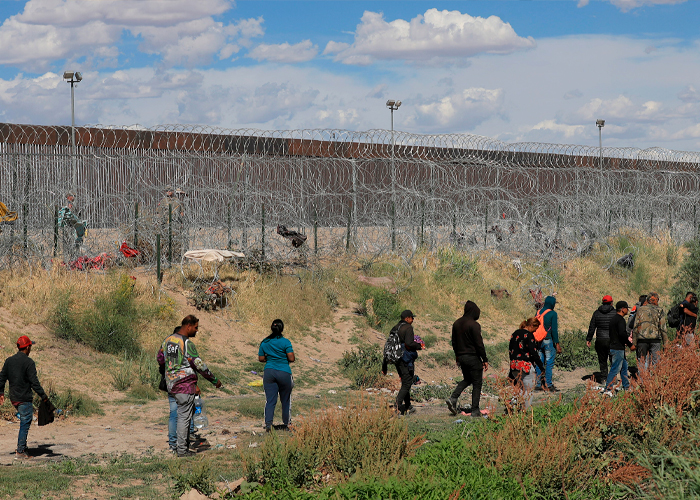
188 453
22 455
538 388
552 388
411 409
608 393
452 405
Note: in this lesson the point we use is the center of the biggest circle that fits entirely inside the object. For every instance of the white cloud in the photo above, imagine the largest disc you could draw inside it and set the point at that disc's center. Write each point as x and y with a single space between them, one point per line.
284 52
566 131
461 110
273 100
435 36
181 31
627 5
573 94
689 94
624 110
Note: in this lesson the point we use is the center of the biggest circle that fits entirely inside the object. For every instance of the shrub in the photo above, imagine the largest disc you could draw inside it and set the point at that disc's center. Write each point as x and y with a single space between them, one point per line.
575 352
123 375
107 326
688 277
446 358
70 402
362 365
382 308
335 444
198 477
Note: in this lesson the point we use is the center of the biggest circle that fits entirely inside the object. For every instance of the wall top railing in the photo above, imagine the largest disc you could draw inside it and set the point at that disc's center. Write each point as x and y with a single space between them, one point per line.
345 144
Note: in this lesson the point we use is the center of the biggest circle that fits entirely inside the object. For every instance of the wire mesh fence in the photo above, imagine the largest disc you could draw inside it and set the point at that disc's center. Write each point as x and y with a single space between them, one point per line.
365 193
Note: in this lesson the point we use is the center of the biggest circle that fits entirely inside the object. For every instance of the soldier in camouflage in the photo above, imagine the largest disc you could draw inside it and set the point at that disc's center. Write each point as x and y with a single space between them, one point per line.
649 332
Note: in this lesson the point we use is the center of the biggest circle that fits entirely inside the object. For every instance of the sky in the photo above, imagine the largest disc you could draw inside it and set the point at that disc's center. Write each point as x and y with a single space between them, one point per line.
513 70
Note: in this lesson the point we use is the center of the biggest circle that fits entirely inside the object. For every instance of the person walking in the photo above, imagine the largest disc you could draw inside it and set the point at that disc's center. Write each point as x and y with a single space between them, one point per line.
277 352
618 340
524 356
600 326
470 355
182 363
649 332
549 347
405 367
20 371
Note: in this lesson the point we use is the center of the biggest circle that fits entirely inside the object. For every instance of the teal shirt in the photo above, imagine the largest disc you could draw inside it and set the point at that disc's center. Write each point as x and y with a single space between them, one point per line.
276 351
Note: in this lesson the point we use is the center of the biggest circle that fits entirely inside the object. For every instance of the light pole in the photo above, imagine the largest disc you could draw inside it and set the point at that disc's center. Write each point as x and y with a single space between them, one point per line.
393 105
73 77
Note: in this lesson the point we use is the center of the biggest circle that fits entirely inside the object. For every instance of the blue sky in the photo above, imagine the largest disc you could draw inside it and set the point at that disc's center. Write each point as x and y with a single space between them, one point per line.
519 71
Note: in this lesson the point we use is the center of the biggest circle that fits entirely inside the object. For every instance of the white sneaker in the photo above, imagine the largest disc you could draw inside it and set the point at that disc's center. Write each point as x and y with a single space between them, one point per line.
608 393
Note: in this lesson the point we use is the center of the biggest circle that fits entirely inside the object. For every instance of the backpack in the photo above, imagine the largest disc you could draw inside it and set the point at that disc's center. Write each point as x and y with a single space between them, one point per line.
673 318
541 332
393 348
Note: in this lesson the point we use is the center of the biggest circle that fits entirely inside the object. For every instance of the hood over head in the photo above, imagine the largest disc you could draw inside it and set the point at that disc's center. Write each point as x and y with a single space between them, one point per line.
606 308
471 310
550 302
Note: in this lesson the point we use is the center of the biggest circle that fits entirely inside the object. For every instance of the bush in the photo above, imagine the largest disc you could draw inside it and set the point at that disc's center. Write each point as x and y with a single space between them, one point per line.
575 352
107 326
382 308
198 477
688 277
70 402
334 445
363 365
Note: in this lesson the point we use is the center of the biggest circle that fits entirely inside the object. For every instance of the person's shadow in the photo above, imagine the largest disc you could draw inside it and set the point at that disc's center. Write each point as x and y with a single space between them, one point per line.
44 451
595 376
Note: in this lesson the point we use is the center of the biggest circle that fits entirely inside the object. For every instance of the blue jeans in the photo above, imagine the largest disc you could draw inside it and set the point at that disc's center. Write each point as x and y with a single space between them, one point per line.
547 354
26 412
277 382
172 423
619 365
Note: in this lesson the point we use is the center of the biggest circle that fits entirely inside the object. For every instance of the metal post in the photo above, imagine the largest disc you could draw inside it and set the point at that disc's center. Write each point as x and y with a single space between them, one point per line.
393 186
170 235
158 275
228 226
74 171
262 233
315 231
136 222
347 235
55 230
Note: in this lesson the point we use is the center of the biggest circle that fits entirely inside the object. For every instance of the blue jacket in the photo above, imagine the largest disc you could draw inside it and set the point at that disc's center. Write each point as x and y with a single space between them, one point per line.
551 320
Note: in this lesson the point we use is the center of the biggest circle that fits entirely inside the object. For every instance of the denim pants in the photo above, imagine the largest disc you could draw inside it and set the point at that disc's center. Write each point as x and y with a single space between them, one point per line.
26 412
619 365
547 354
277 382
472 374
172 423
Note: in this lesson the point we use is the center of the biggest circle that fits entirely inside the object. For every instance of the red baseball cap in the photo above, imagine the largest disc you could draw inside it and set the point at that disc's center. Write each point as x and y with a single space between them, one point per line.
23 342
607 298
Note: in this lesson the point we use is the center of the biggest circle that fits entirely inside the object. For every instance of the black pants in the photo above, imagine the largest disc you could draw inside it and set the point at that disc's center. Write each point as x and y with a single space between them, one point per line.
473 373
403 398
602 348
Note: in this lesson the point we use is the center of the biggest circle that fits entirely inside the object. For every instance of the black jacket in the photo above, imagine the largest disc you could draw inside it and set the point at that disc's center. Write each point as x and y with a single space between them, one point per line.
619 338
601 322
466 333
20 371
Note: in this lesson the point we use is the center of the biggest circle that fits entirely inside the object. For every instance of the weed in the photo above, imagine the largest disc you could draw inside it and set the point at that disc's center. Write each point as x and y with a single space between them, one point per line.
575 352
382 308
429 392
453 263
430 339
362 365
123 375
497 353
688 277
72 403
199 477
335 444
445 358
142 391
672 255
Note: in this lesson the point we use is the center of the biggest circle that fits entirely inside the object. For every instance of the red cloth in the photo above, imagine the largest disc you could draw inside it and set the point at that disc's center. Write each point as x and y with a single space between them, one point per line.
128 251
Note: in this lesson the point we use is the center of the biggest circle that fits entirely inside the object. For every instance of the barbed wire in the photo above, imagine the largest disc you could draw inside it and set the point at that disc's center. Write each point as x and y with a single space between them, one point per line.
362 193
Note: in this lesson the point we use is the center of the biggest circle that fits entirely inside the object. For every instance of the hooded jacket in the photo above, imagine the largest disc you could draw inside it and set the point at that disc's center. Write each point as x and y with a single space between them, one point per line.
600 321
551 320
466 333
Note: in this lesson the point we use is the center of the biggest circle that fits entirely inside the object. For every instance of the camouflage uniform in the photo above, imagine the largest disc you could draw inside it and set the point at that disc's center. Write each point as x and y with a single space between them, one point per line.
649 333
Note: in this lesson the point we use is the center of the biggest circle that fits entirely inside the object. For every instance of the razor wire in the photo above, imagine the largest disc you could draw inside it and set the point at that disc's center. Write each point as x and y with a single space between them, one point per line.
361 193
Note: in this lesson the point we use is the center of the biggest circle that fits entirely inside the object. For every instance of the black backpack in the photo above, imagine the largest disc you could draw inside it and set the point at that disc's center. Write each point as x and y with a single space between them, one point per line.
673 318
393 348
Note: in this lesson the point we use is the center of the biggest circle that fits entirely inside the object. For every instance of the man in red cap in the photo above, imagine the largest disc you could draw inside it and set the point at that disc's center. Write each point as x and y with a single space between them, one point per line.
600 326
20 371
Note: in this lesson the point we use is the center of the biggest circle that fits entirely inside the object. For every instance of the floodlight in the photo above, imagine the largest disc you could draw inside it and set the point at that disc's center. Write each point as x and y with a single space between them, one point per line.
600 123
390 103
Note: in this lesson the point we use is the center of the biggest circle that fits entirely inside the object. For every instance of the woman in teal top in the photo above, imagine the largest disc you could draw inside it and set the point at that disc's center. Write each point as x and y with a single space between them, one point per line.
276 352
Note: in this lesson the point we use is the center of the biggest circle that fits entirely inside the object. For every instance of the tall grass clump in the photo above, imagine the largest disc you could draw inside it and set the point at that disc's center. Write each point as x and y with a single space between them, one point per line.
70 402
575 352
688 277
381 307
453 263
107 325
362 365
334 445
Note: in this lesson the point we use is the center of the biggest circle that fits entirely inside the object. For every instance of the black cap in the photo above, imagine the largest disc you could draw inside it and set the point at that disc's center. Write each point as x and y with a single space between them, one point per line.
621 305
407 314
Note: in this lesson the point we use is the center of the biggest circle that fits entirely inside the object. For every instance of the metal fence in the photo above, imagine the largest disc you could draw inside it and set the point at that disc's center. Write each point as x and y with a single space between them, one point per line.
362 192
